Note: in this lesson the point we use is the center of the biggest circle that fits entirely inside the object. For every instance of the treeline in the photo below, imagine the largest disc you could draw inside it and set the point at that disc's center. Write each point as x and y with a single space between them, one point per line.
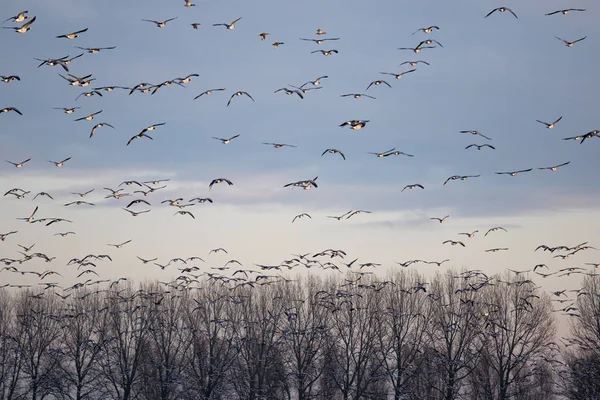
461 335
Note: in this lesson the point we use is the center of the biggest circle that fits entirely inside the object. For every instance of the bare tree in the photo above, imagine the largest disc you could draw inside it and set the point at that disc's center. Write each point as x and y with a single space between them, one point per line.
168 343
455 334
351 340
304 330
81 340
36 334
259 365
402 330
583 359
125 333
11 356
211 320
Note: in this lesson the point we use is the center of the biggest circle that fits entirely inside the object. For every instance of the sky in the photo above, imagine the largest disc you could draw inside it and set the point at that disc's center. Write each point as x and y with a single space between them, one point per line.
497 75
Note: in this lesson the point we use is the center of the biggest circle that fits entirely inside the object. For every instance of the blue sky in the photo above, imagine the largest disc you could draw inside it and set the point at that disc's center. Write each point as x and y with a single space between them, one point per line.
496 75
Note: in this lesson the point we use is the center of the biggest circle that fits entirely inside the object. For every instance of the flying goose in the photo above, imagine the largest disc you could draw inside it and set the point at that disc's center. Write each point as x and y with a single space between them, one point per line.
357 212
514 173
566 11
26 27
217 181
414 63
230 26
551 125
355 124
98 126
473 132
570 44
416 185
138 201
357 95
182 212
289 91
207 92
400 75
479 147
10 78
325 52
158 23
238 93
279 145
72 35
440 220
20 17
382 154
94 50
319 41
469 235
9 109
454 242
226 141
263 35
88 117
494 229
554 168
427 30
502 9
333 151
20 164
299 216
60 163
377 83
120 245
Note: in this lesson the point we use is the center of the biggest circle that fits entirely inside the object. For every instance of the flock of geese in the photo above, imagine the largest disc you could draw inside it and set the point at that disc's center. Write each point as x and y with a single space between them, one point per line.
15 256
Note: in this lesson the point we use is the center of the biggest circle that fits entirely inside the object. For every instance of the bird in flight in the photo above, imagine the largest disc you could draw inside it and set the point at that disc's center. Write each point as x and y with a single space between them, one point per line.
238 93
554 168
207 92
357 95
279 145
514 173
416 185
325 52
20 164
9 109
472 132
289 92
118 246
550 125
440 220
26 27
226 141
94 50
60 163
219 180
98 126
300 216
566 11
230 26
333 151
479 147
355 124
427 30
72 35
88 117
570 44
502 9
377 83
20 17
494 229
160 24
400 75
